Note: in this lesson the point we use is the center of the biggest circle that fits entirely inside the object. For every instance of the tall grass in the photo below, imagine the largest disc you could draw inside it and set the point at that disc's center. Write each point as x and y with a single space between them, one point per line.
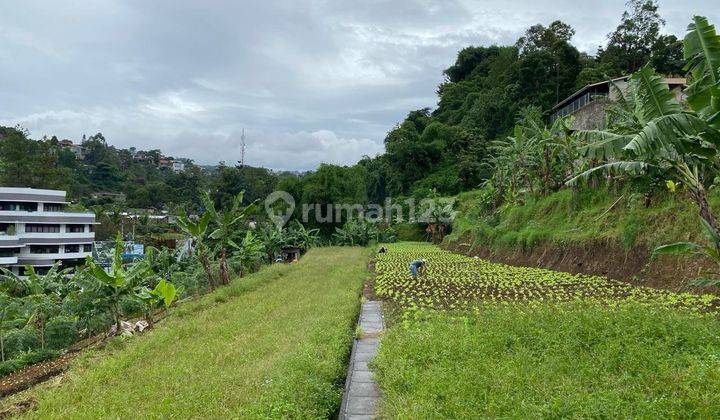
567 217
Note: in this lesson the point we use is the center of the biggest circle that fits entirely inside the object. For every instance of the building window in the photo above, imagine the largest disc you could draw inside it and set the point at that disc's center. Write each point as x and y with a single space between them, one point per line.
10 206
75 228
72 249
52 207
87 248
7 228
31 228
44 249
8 252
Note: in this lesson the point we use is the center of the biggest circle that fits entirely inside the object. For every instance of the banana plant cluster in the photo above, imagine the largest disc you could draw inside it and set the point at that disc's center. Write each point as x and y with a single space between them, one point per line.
536 157
122 282
656 132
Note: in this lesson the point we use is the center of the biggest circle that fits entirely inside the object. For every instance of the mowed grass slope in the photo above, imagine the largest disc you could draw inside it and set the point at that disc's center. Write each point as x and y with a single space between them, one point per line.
274 344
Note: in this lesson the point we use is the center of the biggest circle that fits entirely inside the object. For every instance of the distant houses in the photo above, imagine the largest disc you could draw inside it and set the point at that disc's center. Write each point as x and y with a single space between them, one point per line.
161 161
588 104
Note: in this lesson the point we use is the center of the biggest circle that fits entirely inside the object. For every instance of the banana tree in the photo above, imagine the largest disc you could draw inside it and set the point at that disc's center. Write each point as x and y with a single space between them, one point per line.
249 252
300 236
163 293
40 294
119 283
197 230
514 157
683 143
273 239
225 223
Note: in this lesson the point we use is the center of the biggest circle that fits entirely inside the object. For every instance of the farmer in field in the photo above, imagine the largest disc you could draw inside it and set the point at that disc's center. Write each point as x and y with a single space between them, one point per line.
417 266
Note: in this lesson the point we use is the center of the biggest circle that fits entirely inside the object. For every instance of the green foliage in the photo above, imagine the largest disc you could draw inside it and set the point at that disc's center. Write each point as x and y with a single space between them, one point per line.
25 359
60 332
21 340
117 284
552 361
363 233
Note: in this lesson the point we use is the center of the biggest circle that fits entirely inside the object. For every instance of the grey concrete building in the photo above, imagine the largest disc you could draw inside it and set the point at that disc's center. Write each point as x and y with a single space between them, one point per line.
36 230
588 104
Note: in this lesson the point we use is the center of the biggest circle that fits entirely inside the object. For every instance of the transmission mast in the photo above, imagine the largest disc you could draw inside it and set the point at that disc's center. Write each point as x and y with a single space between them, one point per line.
242 148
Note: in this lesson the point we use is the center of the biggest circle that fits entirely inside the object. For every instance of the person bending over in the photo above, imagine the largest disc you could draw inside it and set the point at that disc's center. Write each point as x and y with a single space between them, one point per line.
417 267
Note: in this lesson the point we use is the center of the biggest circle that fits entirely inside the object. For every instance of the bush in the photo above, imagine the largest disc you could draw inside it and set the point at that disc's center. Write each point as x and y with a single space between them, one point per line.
410 232
21 340
60 332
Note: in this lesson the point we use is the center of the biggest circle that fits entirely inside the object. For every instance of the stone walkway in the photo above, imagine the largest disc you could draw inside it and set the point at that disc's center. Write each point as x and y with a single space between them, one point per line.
362 394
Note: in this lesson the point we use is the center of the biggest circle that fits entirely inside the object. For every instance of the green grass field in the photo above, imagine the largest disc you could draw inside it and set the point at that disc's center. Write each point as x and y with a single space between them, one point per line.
274 344
488 340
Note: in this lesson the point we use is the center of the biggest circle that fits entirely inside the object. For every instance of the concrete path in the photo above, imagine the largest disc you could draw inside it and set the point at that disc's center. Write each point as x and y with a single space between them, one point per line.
362 394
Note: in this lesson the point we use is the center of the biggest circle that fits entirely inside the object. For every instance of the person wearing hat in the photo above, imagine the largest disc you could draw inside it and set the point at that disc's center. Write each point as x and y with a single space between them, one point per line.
416 266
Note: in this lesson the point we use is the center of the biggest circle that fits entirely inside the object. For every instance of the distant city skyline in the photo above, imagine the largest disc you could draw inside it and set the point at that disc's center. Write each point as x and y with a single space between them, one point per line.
310 81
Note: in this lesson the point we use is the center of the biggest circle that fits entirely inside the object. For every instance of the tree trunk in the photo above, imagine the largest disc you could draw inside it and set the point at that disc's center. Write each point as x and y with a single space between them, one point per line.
224 275
149 319
116 314
208 270
705 210
2 347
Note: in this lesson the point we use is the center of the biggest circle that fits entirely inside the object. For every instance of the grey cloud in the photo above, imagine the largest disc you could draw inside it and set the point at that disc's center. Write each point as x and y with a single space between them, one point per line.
311 80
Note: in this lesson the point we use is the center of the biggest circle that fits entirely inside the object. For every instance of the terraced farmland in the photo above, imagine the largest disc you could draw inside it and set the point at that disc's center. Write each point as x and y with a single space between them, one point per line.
540 344
457 282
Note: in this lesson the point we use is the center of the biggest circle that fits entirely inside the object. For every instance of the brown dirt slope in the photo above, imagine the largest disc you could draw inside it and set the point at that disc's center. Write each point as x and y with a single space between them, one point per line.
600 258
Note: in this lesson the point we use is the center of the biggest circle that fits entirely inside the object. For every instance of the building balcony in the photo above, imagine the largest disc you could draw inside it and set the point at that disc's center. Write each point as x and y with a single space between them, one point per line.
32 195
41 260
51 217
9 241
8 260
58 238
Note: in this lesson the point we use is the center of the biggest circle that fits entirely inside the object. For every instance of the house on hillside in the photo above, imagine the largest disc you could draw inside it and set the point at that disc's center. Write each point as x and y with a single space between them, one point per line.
164 162
588 104
178 166
77 149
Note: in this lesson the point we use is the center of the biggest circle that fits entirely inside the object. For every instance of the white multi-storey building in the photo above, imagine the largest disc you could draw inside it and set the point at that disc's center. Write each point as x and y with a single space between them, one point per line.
35 230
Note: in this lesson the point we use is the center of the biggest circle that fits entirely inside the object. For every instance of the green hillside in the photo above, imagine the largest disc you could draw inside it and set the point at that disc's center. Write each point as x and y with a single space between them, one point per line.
274 344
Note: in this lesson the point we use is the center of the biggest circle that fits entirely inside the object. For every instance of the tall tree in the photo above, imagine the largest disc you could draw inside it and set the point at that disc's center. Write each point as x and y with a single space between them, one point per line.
630 46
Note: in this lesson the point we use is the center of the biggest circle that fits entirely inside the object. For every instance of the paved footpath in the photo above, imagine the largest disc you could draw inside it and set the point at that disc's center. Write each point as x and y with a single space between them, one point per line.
362 394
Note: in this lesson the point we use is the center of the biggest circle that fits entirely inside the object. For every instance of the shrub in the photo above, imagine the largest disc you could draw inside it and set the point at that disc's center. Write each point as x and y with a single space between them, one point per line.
21 340
60 332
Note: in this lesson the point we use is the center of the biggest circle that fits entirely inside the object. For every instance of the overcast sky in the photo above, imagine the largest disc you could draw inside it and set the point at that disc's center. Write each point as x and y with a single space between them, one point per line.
310 81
